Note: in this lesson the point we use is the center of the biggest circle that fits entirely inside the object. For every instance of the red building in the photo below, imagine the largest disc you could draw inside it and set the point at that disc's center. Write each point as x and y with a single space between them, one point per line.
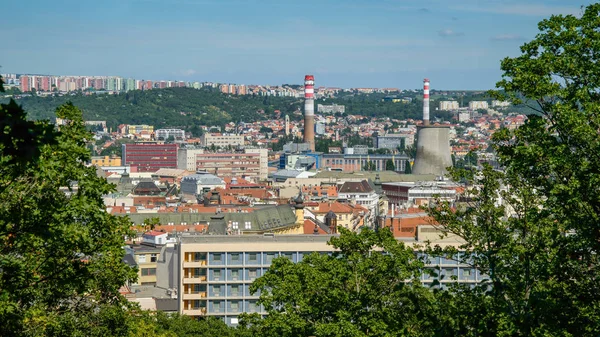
25 85
150 157
45 83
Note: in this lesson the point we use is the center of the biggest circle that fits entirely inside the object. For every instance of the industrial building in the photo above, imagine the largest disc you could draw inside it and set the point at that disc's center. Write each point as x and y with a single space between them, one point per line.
393 141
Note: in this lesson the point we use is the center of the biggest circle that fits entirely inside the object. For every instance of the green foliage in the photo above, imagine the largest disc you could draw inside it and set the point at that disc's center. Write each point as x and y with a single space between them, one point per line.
369 287
184 108
323 144
534 227
60 250
408 168
389 165
369 166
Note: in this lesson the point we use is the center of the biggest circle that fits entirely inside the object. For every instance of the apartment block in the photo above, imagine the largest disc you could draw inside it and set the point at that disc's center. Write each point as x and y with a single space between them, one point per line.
186 158
222 140
475 105
215 272
448 105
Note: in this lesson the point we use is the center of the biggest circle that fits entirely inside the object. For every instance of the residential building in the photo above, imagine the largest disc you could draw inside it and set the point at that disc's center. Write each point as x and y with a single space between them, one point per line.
401 194
106 161
149 157
448 105
476 105
333 108
222 140
216 271
138 129
164 134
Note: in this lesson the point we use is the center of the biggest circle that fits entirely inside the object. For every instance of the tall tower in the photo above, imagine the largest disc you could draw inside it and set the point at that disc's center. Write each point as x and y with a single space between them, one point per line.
287 125
309 111
426 101
433 143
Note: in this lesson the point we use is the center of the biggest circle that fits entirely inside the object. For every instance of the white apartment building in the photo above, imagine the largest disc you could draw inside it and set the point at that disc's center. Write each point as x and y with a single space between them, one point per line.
475 105
164 134
448 105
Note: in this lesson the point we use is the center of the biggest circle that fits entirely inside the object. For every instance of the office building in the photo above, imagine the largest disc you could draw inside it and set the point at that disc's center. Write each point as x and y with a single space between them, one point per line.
186 158
233 164
150 157
353 162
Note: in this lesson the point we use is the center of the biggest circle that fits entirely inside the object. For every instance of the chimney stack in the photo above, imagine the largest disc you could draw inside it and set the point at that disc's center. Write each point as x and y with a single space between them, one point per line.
309 111
426 101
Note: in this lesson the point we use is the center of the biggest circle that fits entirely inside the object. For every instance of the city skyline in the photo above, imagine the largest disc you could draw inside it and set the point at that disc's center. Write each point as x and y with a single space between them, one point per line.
344 44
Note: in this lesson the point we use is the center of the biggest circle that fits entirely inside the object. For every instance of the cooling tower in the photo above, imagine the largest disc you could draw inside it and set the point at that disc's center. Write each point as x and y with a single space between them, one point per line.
433 150
433 143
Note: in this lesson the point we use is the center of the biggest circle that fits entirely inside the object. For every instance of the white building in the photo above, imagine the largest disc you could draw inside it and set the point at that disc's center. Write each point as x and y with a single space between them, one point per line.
464 117
500 104
186 158
360 192
164 134
476 105
222 140
449 105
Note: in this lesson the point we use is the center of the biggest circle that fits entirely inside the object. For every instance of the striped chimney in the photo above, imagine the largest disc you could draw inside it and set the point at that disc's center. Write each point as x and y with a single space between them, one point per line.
309 111
426 101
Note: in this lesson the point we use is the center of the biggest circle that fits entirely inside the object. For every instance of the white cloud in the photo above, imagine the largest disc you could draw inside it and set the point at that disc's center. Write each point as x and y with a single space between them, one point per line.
449 32
520 9
507 37
188 72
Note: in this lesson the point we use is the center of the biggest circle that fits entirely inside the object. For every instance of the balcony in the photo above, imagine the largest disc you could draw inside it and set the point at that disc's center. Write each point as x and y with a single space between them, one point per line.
194 264
194 296
195 312
194 280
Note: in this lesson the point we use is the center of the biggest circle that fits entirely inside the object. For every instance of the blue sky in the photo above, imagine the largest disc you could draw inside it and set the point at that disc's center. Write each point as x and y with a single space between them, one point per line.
458 44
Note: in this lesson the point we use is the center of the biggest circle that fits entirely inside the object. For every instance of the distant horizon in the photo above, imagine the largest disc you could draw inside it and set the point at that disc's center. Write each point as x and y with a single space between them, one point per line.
236 83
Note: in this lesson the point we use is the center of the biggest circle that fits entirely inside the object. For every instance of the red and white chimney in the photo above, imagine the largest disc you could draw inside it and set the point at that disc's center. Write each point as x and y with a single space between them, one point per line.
309 111
426 101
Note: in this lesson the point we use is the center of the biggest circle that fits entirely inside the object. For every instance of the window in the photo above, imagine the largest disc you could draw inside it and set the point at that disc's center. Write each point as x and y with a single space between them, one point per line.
252 274
248 225
467 272
217 257
235 225
252 257
217 275
148 271
217 306
217 290
288 256
235 257
270 257
199 257
235 290
252 306
235 274
142 258
153 257
234 305
196 304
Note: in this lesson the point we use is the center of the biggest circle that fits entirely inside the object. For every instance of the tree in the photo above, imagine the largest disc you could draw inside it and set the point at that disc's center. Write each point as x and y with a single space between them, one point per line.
533 228
389 165
60 250
368 287
407 168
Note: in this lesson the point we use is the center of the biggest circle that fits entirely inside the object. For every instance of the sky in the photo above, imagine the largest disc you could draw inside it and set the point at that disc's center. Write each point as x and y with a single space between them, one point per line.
457 44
